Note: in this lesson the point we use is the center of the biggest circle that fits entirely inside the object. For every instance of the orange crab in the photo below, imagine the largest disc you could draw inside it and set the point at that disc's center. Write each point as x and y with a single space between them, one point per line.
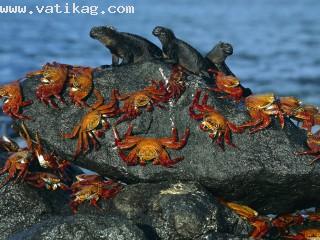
215 123
307 234
92 188
94 123
54 76
229 85
313 142
45 180
18 162
176 84
284 221
13 100
150 96
149 149
81 83
261 107
51 161
260 224
307 114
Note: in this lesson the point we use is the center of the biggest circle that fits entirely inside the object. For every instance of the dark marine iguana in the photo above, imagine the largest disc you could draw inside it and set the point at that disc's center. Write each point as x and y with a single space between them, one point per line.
217 57
179 52
129 47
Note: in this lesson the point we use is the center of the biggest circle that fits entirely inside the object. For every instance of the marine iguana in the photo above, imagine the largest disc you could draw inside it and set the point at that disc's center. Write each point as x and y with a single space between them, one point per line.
217 57
180 52
129 47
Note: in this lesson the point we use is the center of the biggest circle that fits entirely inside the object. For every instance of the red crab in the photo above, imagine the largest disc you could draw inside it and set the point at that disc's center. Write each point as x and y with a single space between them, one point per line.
307 234
94 123
51 161
229 85
54 76
149 149
313 142
92 188
284 221
45 180
18 162
260 224
215 123
81 83
261 107
13 100
307 114
176 84
150 96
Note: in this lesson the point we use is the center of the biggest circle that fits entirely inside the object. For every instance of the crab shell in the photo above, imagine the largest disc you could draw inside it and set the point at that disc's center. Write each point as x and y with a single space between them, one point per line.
214 122
80 81
307 234
264 102
289 105
242 210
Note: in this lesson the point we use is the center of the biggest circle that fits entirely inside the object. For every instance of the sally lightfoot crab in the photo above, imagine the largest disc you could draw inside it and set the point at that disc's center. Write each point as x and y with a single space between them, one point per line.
213 122
92 188
261 107
45 180
13 100
313 142
81 84
176 83
17 164
307 114
228 85
144 149
54 76
150 96
94 123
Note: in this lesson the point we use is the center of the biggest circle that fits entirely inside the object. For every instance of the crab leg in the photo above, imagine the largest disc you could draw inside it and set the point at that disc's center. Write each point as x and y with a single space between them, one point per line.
74 133
173 142
227 137
165 160
266 120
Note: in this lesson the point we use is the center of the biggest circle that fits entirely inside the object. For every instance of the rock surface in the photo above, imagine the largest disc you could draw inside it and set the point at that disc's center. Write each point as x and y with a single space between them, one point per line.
83 227
262 172
164 211
22 206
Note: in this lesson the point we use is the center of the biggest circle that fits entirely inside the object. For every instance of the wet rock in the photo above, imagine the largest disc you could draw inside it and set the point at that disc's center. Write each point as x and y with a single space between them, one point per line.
173 211
22 206
262 172
83 227
222 236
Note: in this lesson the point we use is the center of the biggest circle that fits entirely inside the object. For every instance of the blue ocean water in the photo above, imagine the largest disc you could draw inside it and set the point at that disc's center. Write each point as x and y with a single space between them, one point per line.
276 43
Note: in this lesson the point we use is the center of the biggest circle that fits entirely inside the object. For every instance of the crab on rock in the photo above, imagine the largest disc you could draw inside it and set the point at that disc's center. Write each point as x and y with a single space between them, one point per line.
307 114
81 83
307 234
148 97
215 123
260 224
149 149
54 76
229 85
261 107
13 100
313 142
176 84
94 123
283 222
45 180
18 162
92 188
51 161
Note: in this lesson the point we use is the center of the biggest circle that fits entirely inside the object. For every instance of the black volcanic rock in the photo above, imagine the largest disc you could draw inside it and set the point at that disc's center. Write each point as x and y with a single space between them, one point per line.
178 210
22 206
83 227
262 172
